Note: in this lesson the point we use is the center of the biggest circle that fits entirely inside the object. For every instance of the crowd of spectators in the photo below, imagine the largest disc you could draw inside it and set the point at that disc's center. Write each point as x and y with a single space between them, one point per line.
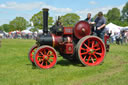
119 37
18 35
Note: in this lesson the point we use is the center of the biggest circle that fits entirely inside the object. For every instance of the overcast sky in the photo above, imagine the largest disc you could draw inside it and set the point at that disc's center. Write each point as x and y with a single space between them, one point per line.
9 9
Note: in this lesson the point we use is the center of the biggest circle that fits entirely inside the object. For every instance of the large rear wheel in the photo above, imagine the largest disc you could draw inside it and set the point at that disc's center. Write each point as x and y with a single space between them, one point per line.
90 50
45 57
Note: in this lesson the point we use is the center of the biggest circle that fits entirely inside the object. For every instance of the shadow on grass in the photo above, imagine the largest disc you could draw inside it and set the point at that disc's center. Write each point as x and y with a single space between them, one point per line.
65 62
33 66
28 64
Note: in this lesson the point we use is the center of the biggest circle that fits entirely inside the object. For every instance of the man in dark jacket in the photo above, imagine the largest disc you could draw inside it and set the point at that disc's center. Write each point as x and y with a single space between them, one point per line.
100 23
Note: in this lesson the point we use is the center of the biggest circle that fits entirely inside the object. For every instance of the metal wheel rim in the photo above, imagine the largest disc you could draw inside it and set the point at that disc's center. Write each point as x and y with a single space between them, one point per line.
45 57
92 53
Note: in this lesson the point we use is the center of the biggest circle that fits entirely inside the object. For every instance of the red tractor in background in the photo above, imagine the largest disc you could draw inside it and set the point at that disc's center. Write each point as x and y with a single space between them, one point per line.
73 43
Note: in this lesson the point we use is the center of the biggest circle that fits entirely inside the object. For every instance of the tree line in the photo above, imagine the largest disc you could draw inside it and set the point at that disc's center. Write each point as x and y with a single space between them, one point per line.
114 15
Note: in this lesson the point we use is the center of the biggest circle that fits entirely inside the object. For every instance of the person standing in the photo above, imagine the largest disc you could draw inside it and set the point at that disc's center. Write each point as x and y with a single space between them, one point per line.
100 23
122 36
90 20
0 42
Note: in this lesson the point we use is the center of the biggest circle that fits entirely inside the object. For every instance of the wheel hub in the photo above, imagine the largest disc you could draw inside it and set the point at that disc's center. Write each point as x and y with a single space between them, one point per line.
83 29
45 57
91 51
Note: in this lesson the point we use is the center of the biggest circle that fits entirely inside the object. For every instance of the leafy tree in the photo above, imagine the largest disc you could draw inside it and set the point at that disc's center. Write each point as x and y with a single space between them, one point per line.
113 15
19 23
37 20
69 19
1 28
11 28
33 29
125 12
6 27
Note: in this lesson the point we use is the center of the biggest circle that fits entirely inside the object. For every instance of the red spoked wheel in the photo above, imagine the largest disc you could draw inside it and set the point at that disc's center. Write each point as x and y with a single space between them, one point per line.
31 53
45 57
91 50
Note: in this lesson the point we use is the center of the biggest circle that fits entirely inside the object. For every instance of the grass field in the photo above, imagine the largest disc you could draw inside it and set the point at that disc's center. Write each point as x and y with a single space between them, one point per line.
16 69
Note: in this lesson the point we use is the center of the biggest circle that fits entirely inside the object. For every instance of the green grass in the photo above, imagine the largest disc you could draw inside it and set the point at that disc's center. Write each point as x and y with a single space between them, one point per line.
16 69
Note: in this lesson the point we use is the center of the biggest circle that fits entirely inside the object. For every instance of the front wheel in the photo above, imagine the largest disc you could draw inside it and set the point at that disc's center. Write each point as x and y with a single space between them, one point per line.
90 50
45 57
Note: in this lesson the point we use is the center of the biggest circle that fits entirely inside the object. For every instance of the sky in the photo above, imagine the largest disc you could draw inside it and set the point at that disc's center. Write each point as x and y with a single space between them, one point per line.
9 9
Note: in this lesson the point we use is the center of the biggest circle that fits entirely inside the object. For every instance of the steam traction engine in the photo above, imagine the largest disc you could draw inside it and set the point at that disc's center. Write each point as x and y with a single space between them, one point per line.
73 43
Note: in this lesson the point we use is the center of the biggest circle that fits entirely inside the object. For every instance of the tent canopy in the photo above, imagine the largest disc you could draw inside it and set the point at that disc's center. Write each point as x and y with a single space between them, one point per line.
114 28
125 28
26 31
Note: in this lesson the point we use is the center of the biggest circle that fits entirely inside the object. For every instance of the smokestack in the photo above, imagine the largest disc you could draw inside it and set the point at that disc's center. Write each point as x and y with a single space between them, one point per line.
45 20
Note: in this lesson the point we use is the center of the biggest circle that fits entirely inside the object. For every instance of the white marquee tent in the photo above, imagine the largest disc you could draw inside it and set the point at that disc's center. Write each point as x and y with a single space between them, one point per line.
40 31
114 28
125 28
26 31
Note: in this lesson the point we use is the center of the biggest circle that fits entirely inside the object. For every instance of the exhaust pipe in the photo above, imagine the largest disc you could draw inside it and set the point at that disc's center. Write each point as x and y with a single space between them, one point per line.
45 20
